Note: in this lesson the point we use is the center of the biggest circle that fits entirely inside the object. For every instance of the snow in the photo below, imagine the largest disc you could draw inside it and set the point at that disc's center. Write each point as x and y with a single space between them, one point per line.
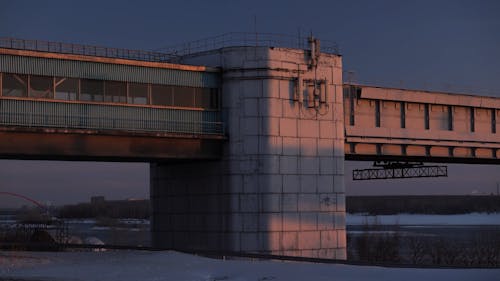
79 221
93 241
419 219
168 265
93 221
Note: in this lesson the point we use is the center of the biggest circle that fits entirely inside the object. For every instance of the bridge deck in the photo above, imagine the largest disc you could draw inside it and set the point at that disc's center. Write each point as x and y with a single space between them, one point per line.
397 124
60 101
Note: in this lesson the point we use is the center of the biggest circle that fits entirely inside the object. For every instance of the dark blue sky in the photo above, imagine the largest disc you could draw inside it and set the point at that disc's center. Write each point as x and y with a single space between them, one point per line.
439 45
414 43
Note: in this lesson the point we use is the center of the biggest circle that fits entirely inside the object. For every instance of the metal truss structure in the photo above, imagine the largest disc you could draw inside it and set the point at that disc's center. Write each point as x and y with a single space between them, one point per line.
399 170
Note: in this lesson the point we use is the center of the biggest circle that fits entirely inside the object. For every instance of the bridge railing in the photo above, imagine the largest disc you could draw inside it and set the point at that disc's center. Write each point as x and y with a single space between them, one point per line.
87 50
240 39
27 113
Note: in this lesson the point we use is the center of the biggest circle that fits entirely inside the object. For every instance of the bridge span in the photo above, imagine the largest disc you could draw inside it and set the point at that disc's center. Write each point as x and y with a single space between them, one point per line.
412 125
69 105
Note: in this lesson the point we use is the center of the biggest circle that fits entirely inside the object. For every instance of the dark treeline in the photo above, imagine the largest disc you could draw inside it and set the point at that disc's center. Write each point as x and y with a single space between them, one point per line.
445 204
137 209
375 205
482 251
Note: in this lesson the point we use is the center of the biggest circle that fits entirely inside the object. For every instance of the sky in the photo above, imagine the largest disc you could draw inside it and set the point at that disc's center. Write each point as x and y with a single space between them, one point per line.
437 45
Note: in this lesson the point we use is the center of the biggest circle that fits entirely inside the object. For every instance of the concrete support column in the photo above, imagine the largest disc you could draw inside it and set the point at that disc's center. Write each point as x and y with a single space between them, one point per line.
279 186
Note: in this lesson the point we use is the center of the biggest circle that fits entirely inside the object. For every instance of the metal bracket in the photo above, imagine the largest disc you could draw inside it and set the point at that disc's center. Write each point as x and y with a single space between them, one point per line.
399 170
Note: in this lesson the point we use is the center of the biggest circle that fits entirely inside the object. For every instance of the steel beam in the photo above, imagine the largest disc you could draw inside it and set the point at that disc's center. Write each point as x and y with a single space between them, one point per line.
400 173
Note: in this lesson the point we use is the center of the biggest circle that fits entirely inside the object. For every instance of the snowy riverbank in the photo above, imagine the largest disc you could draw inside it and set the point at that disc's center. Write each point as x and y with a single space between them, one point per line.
159 266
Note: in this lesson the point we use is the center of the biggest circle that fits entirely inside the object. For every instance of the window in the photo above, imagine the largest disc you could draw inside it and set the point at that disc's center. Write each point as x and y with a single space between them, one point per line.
183 96
14 85
41 87
115 92
472 121
207 98
493 121
426 117
92 90
402 109
202 97
377 113
66 88
351 104
450 118
214 98
137 93
161 95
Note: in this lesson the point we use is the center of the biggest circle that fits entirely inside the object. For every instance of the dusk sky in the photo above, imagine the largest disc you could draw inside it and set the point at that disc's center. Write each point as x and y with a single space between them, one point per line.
438 45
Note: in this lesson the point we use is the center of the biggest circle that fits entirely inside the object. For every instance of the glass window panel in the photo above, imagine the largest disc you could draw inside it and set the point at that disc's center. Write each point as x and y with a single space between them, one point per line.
115 92
198 93
66 88
207 98
184 96
41 87
214 98
202 97
14 85
92 90
161 95
137 93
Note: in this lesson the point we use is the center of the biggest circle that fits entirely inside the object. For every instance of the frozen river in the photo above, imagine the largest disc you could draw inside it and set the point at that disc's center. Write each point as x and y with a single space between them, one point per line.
466 228
429 239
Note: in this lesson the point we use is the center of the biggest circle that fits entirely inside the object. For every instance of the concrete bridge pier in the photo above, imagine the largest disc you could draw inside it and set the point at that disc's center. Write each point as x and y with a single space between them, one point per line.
279 185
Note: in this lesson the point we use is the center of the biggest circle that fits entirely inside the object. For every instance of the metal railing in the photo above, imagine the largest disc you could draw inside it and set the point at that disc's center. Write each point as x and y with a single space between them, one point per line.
239 39
79 49
107 117
171 53
122 124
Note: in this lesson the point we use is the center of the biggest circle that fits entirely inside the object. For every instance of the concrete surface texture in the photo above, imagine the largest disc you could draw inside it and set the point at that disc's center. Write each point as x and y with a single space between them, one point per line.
279 187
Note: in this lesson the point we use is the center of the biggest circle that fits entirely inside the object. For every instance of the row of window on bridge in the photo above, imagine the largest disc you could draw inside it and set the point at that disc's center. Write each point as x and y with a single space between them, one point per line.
88 90
398 114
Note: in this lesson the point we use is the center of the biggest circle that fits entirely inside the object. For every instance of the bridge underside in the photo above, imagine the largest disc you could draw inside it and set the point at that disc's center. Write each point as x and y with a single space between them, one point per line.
409 158
76 144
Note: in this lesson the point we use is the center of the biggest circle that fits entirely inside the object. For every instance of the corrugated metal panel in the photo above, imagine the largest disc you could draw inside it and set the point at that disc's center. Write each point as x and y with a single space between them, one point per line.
107 71
114 117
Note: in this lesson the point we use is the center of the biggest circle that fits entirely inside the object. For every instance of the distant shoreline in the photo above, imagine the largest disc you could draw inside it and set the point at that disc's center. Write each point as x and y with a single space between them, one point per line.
373 205
423 204
472 219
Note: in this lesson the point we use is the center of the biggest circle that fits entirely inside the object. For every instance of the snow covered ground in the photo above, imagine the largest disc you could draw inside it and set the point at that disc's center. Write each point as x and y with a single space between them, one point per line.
159 266
419 219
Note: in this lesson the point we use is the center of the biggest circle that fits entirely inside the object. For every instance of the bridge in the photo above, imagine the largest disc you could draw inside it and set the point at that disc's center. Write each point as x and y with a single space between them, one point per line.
247 142
400 124
106 108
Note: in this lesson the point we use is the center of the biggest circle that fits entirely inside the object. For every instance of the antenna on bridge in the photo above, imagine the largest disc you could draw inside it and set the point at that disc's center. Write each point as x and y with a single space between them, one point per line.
351 76
315 51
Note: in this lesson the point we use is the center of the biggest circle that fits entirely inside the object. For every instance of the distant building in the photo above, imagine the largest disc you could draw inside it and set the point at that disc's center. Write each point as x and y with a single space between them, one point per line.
97 200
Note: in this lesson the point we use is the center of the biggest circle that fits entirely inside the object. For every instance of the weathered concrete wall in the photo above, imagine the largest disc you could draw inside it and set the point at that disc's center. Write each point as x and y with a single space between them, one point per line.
431 127
280 186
